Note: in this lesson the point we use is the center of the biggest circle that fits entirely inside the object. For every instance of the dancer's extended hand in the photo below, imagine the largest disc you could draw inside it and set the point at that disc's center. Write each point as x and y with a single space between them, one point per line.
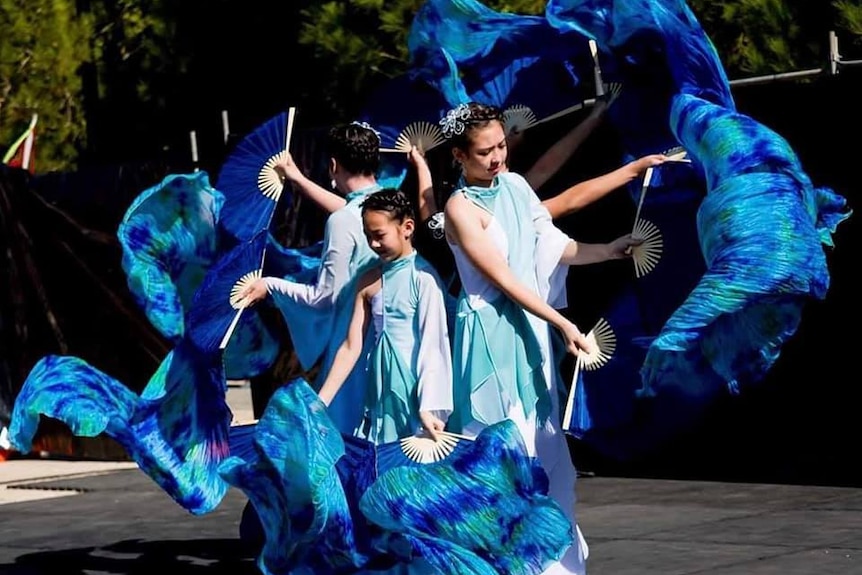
287 168
622 246
576 341
432 424
254 292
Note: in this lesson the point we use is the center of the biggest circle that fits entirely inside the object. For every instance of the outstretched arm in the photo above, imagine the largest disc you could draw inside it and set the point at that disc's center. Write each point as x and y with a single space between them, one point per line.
349 351
332 275
327 200
578 253
584 193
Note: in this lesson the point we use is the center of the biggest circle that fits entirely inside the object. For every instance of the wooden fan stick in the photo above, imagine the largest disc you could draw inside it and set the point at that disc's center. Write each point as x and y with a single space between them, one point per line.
644 188
570 402
231 327
291 113
597 70
242 304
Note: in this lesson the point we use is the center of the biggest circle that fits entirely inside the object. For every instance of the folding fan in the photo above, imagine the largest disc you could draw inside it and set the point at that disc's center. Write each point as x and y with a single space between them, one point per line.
240 439
402 126
603 342
519 117
248 178
216 317
647 254
413 450
677 154
423 135
422 448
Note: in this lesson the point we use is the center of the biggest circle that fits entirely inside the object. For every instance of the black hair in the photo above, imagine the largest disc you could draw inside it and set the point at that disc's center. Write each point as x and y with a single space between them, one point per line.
390 200
356 148
480 116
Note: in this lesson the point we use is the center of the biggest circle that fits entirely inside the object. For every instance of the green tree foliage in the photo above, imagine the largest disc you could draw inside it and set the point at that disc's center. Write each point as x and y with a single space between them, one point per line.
850 17
76 69
755 37
362 42
42 46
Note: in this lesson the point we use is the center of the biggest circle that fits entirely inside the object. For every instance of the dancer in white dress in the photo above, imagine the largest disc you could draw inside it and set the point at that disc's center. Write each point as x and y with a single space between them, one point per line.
512 263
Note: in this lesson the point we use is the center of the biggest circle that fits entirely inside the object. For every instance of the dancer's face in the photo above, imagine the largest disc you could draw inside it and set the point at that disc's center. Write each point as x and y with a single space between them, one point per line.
389 238
486 154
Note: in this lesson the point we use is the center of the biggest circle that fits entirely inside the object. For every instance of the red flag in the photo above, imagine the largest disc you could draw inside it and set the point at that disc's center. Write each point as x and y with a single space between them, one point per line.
22 152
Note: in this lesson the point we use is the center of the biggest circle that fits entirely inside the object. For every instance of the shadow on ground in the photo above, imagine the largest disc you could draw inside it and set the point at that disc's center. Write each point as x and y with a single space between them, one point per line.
136 557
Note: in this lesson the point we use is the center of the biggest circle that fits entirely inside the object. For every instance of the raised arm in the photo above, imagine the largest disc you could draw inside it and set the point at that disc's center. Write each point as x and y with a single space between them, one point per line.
348 352
327 200
425 199
465 229
562 150
584 193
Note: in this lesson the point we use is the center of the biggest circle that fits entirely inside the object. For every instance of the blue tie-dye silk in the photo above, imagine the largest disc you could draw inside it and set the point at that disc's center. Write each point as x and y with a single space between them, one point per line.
762 227
290 477
169 241
655 48
176 430
327 505
484 509
467 52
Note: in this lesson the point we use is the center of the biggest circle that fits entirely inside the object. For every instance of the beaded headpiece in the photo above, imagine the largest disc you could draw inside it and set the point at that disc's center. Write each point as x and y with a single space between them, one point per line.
452 124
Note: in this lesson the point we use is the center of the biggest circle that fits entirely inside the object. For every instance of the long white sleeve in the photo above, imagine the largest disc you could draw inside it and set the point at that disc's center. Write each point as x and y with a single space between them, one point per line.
339 245
551 242
434 359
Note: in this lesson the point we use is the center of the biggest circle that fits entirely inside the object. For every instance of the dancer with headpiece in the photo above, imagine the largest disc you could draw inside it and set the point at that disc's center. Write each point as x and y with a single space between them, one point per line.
512 263
409 375
317 314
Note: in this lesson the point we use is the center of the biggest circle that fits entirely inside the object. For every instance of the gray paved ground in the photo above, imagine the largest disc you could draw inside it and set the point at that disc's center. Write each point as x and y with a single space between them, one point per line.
119 522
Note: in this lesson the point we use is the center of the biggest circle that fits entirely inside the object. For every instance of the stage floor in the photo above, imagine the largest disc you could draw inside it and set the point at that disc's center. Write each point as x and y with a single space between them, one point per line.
98 520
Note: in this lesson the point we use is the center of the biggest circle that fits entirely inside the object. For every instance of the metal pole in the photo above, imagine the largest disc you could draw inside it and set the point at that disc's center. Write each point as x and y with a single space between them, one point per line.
194 141
775 77
224 125
834 56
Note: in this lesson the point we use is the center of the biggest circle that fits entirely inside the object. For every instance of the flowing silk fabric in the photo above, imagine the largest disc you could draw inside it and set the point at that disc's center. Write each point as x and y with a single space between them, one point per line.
176 430
169 240
337 504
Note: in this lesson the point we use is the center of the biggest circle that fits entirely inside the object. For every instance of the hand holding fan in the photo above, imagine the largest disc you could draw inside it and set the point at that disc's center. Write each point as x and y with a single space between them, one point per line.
249 181
647 254
603 343
421 448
